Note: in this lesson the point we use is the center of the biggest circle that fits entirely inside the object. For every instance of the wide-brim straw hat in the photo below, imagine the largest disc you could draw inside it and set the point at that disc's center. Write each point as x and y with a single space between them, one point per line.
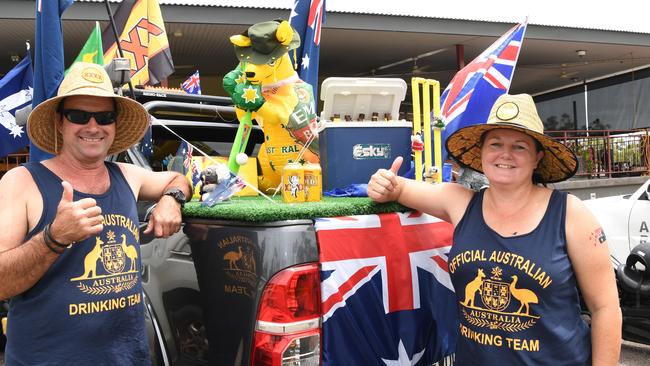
89 79
514 112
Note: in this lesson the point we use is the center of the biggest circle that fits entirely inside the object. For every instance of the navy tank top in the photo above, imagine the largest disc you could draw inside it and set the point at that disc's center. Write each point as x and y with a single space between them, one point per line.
517 296
87 309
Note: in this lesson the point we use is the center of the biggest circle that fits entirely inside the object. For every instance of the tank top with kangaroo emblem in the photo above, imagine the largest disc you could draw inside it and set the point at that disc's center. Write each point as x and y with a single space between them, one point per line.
87 309
517 296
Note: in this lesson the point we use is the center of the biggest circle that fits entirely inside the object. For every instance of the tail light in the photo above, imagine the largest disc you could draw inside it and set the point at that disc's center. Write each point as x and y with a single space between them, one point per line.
287 332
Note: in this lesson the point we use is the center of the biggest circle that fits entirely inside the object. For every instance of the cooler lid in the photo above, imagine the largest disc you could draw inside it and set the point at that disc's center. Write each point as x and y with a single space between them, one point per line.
356 96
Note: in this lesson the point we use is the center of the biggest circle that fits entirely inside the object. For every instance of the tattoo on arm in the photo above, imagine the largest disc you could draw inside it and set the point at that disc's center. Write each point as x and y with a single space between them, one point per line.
598 236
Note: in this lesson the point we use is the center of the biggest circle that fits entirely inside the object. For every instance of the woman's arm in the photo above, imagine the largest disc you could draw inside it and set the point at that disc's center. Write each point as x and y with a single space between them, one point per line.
587 247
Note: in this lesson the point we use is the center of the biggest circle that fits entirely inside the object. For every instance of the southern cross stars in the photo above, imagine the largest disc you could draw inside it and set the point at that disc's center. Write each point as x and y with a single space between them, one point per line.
16 131
404 357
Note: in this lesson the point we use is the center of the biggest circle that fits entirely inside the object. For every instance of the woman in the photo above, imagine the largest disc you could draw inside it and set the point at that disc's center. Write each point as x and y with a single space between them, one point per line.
521 250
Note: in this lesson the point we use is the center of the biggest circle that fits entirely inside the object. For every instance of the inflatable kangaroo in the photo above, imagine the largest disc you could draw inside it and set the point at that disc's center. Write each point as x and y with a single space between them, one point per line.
266 84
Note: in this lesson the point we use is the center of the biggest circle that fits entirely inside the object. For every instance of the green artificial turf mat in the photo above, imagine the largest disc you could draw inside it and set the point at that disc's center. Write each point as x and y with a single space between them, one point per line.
258 209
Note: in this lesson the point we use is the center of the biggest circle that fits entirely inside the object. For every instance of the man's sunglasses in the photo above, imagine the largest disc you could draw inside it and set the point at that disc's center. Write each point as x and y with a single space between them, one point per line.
80 117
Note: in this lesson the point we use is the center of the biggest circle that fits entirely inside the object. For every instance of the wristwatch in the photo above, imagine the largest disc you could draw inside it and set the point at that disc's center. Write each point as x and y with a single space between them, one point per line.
176 194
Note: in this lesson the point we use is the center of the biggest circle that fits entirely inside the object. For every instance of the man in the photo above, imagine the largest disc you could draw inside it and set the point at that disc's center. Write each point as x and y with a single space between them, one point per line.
69 238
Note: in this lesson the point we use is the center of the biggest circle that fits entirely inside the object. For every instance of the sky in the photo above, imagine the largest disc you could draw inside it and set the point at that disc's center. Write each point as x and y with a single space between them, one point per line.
621 15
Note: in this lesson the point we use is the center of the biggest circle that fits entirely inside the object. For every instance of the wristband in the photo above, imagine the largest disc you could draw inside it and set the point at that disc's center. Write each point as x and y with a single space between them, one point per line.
50 245
48 235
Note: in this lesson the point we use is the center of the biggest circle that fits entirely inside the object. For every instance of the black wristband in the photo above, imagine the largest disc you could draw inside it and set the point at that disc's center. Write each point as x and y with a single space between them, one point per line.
50 245
48 235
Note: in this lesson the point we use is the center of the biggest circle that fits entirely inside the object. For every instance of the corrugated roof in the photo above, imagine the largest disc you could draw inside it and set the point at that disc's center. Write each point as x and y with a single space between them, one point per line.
620 16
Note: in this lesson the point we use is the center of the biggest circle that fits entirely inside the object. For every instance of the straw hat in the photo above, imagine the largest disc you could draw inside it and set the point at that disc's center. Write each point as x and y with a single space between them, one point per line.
514 112
87 79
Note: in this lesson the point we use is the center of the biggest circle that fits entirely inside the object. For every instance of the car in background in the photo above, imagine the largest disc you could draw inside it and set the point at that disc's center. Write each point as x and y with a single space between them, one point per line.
624 219
625 222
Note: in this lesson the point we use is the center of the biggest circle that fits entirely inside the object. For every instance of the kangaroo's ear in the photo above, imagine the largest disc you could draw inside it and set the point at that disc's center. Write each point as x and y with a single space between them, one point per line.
240 40
284 34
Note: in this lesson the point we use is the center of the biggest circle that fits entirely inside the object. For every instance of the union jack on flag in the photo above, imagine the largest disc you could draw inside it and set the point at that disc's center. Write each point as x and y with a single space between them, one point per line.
468 98
193 84
306 18
386 275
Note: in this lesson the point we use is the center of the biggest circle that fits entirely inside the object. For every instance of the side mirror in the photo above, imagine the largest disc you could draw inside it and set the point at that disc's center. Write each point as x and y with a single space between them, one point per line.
119 71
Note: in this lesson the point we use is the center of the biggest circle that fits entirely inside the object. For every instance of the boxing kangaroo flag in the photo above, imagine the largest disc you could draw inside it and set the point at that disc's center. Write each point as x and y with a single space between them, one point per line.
306 18
468 98
143 40
92 49
15 92
48 54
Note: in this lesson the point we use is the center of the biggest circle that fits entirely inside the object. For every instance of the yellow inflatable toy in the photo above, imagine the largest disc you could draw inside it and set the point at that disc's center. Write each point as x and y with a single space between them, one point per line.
266 86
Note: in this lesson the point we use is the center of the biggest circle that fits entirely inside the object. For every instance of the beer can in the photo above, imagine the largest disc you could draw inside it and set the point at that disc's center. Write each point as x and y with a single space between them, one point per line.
293 183
313 182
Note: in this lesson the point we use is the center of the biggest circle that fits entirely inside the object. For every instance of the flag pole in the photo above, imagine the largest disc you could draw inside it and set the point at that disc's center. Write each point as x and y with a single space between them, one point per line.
117 41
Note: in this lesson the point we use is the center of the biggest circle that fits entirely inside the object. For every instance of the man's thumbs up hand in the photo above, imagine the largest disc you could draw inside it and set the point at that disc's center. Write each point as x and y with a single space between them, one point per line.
75 220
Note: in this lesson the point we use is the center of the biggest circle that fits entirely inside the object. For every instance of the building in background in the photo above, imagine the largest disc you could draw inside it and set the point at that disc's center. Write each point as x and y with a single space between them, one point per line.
563 49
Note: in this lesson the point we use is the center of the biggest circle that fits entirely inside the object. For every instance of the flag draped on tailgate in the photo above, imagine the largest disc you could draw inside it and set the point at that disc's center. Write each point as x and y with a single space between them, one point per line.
306 18
48 57
193 84
15 92
468 98
386 295
143 40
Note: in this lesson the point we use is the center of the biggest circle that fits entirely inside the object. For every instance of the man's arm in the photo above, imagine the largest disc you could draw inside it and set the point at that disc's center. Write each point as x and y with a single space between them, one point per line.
166 218
22 264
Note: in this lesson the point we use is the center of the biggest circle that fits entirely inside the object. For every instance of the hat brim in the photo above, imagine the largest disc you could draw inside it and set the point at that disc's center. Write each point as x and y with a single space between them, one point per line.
132 122
559 162
249 54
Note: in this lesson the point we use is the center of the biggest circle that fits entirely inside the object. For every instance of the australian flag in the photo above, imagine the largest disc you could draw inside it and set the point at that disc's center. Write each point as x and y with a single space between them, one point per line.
146 144
189 169
16 90
48 57
306 18
387 298
468 98
193 84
